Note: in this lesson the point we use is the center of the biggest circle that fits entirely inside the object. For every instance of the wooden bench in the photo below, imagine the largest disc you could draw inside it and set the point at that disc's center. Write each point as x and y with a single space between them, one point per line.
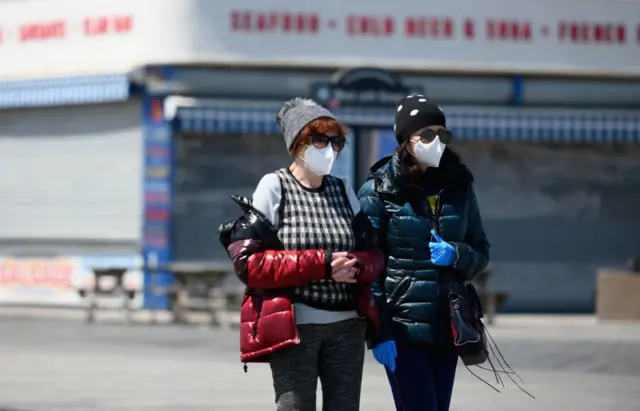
196 287
490 299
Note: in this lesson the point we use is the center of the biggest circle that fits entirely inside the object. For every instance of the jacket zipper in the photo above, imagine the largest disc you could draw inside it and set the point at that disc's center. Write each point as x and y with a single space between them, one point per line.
254 332
255 323
436 213
436 225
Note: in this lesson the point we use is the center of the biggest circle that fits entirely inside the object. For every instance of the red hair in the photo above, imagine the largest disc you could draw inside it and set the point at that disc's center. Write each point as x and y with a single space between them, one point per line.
319 126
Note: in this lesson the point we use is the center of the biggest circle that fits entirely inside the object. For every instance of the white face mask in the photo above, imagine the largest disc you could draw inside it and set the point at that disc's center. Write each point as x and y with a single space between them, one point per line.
319 160
431 153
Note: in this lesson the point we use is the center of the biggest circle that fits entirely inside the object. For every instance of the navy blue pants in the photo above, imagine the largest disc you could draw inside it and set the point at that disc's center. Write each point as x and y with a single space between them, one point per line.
424 376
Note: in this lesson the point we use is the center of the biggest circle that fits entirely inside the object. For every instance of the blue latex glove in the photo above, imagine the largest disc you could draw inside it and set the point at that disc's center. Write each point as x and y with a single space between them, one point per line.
385 353
442 253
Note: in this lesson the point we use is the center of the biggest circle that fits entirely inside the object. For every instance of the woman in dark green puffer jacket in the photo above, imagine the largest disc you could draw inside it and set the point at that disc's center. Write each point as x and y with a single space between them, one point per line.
422 203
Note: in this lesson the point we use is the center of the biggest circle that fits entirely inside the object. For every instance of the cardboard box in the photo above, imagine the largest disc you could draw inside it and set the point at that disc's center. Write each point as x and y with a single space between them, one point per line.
618 295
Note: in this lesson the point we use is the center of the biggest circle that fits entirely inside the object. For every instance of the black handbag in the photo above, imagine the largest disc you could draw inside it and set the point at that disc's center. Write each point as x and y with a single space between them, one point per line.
469 334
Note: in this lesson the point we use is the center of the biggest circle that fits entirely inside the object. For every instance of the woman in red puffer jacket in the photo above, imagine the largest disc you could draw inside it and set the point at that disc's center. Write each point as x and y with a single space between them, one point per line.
307 255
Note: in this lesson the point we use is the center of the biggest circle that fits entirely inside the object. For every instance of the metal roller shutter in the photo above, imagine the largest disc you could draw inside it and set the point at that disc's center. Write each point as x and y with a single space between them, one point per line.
71 174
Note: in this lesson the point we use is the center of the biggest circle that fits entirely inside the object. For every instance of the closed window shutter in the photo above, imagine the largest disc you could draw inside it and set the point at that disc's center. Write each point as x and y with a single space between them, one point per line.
71 173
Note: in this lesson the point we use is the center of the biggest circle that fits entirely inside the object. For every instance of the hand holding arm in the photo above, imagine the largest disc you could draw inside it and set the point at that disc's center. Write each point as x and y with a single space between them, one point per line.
370 264
343 268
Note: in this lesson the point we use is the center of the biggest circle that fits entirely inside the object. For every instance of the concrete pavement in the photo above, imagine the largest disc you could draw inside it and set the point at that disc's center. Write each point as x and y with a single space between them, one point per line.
47 365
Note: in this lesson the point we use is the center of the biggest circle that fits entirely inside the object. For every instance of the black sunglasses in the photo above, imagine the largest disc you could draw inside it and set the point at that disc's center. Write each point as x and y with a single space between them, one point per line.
427 136
322 140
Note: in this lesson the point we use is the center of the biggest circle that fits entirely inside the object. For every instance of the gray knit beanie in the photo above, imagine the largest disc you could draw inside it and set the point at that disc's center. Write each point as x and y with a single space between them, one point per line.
295 114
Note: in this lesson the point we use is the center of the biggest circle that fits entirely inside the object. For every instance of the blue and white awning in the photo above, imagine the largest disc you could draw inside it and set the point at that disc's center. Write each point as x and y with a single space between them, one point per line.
469 123
64 91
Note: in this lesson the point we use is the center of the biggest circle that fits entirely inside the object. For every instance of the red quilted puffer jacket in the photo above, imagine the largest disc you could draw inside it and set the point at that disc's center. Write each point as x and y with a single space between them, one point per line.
270 273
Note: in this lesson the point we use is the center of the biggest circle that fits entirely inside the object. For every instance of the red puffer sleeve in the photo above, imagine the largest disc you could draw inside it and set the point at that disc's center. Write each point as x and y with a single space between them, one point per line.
371 264
276 268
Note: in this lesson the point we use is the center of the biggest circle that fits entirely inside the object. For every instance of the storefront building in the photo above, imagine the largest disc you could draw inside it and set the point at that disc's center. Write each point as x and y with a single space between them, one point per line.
125 126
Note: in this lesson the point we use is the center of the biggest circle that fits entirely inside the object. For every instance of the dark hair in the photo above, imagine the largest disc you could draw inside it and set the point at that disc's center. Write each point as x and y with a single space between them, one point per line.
320 126
408 163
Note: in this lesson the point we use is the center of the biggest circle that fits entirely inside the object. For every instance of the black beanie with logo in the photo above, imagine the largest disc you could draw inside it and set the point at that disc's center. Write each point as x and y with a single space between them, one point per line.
414 113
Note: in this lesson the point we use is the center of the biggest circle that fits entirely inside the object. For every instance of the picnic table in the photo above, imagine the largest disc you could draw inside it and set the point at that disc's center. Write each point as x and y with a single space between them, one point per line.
108 284
197 286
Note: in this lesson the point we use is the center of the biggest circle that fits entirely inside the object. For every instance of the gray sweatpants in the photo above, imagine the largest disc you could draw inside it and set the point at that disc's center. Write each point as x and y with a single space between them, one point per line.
332 352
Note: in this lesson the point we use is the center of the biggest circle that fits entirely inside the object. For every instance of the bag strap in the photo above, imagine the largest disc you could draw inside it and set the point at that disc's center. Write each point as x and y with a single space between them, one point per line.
343 190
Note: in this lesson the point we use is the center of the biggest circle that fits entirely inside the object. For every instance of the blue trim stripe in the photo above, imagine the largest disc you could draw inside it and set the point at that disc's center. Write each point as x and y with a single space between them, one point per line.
64 91
223 120
479 123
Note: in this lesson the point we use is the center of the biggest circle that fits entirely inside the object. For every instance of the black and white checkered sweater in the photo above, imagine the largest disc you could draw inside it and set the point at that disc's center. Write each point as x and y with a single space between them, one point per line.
317 219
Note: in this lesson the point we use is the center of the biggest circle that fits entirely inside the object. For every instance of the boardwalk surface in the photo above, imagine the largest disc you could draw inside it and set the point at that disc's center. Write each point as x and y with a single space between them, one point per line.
52 364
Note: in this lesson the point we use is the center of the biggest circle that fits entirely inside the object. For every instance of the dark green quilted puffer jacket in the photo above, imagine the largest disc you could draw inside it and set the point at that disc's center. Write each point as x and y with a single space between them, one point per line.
412 296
